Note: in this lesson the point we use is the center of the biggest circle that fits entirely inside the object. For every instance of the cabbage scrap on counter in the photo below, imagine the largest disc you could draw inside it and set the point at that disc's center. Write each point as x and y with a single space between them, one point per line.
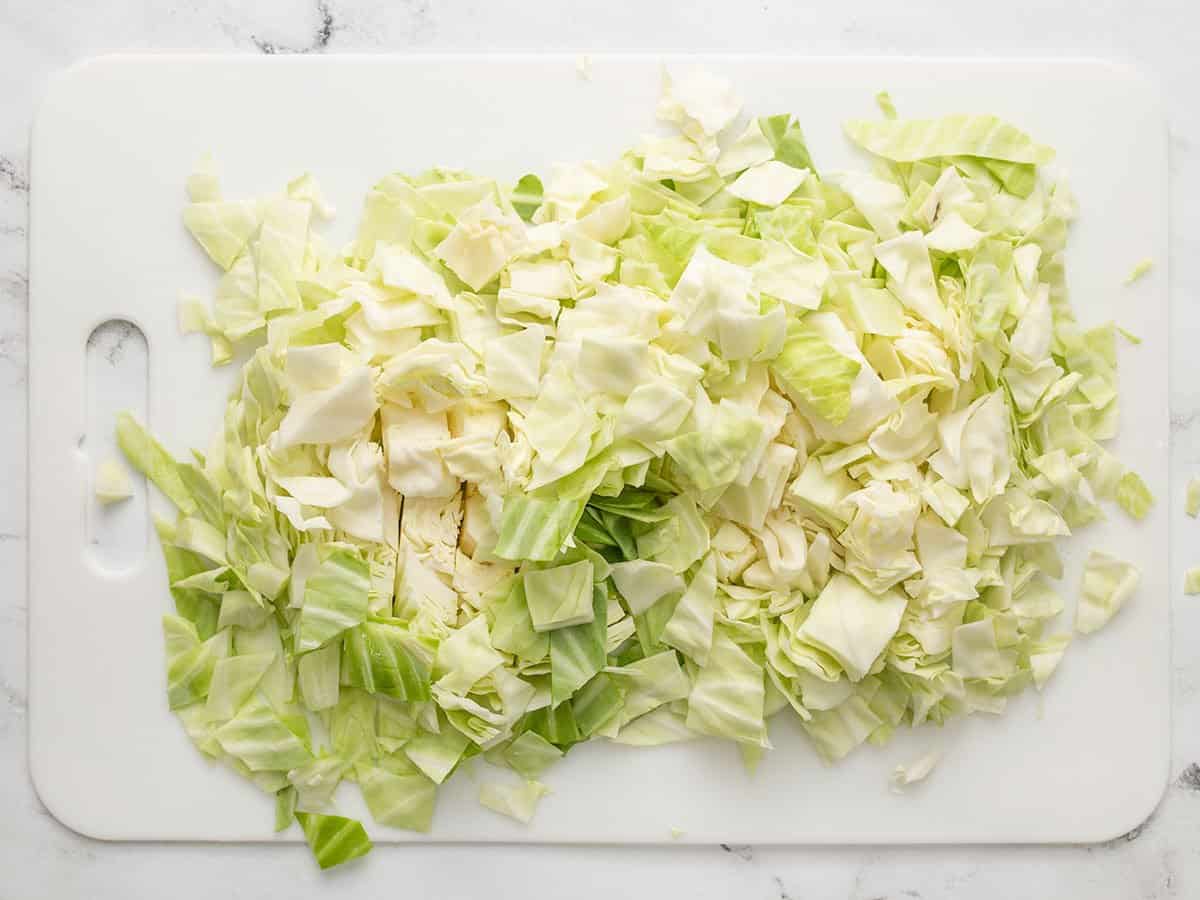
638 451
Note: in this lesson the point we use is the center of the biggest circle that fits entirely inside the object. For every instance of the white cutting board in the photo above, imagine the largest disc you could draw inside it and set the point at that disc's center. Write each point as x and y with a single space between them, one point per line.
112 144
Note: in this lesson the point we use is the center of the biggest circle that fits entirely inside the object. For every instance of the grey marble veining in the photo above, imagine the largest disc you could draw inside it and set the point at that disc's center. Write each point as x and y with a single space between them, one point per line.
1158 859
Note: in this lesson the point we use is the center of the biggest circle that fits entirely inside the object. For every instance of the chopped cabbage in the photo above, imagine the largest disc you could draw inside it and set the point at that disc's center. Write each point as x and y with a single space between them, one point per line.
1191 580
886 105
515 801
918 770
113 483
1140 268
1107 584
333 839
638 451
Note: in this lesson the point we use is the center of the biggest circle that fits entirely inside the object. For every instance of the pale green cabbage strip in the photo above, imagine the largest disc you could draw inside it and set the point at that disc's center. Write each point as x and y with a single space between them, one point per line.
638 451
1140 268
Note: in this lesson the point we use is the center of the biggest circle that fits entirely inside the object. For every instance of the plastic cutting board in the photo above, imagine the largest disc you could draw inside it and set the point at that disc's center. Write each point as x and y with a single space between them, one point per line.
113 142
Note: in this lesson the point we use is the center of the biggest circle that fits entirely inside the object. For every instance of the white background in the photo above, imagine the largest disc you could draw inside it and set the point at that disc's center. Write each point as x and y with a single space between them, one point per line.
39 858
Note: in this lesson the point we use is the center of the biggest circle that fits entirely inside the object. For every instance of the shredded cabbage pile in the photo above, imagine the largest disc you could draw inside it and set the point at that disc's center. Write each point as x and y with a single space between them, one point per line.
641 451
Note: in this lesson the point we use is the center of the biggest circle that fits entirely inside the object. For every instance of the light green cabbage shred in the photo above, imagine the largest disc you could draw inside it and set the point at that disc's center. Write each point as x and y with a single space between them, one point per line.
1191 580
1107 584
637 451
1140 268
515 801
886 105
1192 500
333 839
918 770
112 482
1133 495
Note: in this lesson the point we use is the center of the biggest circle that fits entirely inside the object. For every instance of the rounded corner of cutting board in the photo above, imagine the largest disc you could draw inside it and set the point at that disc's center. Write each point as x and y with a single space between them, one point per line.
1141 807
70 810
61 87
1139 79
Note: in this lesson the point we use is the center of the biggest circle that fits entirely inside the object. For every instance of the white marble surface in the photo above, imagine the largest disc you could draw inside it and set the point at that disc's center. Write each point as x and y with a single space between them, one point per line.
40 858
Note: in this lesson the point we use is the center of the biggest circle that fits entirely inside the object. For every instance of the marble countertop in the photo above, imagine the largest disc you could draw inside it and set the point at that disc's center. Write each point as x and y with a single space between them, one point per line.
41 858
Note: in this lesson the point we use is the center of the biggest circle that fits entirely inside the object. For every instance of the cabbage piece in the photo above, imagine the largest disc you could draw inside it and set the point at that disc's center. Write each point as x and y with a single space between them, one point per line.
335 599
715 299
536 529
204 183
654 729
265 739
786 274
976 653
190 661
1133 496
515 801
560 596
910 276
918 770
700 103
787 140
331 413
1192 502
768 183
690 628
837 731
1191 581
465 656
277 682
527 196
385 657
1140 268
652 412
749 149
149 458
870 401
953 235
234 680
1044 657
279 252
285 808
333 839
113 483
728 695
712 457
437 753
318 675
577 652
513 362
974 447
370 511
531 754
512 626
851 624
650 682
680 539
643 583
438 371
399 800
1107 584
484 239
240 609
881 202
808 366
222 227
596 705
957 135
